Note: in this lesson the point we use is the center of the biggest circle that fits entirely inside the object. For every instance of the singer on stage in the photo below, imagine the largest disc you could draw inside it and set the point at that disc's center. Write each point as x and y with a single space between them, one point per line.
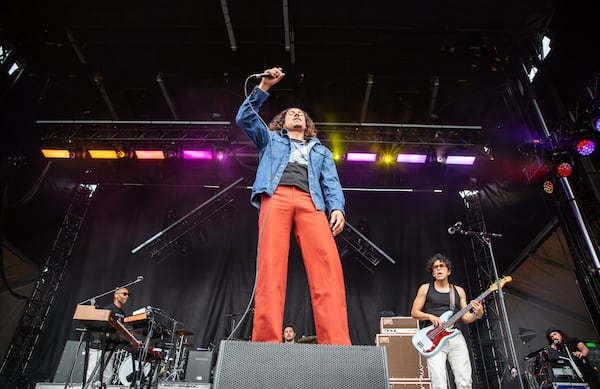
296 189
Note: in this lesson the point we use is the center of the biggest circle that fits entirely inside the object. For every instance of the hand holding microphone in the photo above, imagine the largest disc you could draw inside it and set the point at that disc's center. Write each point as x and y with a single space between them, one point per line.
269 78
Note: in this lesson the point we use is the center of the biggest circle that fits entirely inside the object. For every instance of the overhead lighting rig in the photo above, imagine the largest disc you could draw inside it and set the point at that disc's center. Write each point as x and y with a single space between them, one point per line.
119 139
163 139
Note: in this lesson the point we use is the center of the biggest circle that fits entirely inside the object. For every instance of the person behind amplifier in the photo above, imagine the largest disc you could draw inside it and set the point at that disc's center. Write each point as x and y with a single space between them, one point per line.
431 301
289 334
296 184
558 340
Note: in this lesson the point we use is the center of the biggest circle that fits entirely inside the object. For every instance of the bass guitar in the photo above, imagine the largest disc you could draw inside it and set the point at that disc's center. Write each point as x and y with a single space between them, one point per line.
428 340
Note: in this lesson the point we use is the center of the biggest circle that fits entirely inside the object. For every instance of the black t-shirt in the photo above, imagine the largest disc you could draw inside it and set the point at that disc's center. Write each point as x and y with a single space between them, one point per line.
117 313
295 174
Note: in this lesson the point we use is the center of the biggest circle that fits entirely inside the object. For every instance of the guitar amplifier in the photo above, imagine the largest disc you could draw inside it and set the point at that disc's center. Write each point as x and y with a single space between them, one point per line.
404 361
398 325
411 385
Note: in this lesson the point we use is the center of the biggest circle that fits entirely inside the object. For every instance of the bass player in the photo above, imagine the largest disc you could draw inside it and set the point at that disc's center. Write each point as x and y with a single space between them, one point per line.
434 299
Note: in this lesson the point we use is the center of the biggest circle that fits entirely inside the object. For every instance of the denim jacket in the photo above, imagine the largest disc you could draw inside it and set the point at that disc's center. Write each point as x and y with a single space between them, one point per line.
274 154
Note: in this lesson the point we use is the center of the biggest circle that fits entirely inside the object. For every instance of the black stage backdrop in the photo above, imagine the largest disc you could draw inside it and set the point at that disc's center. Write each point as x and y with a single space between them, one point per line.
207 283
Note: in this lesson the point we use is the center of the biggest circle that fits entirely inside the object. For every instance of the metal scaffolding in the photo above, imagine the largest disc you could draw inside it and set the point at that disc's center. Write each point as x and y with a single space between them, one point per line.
493 356
25 339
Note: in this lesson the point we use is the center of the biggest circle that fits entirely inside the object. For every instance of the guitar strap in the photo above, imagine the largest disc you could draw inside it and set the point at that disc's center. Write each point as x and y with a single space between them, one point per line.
452 293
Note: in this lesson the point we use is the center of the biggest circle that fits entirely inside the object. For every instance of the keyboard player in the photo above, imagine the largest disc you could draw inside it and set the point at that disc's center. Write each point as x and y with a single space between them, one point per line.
120 298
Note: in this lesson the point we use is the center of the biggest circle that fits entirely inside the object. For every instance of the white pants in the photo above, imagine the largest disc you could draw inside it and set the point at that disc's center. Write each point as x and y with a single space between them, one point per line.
94 363
455 351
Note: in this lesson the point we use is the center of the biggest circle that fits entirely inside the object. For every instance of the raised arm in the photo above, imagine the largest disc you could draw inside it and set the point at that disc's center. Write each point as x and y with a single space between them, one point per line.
247 117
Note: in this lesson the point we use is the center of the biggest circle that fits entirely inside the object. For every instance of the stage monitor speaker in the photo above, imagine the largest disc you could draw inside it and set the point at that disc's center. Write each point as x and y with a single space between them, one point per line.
254 365
199 365
67 363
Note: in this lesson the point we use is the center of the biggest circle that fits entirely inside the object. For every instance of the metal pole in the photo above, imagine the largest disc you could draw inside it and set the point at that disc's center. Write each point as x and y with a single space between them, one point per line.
487 240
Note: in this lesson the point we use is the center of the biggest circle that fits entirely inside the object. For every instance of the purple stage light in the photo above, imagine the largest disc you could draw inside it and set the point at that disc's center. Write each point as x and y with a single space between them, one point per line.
197 154
412 158
361 157
460 160
585 147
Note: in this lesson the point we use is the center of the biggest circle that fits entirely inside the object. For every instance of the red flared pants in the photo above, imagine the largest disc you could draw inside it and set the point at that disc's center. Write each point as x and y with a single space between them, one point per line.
288 208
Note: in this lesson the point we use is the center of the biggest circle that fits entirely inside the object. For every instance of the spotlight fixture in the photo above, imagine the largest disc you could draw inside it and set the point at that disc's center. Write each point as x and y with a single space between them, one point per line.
219 153
564 169
585 146
171 152
548 187
596 122
122 153
440 157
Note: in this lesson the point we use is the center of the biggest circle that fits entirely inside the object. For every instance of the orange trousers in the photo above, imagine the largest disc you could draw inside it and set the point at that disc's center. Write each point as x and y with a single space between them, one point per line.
288 208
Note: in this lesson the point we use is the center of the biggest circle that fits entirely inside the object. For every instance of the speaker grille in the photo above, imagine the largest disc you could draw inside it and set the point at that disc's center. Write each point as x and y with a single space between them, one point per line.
276 365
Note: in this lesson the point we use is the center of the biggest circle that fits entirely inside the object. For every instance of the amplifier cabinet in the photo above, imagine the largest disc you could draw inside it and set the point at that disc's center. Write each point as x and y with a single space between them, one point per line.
398 325
410 385
404 361
183 385
49 385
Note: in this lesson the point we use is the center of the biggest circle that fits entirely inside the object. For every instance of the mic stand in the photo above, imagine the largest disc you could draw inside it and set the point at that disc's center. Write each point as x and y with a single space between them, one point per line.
92 300
572 362
486 238
175 323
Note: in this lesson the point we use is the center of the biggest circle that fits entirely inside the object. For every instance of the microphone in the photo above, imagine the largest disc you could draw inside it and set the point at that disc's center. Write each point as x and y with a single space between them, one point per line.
140 278
556 341
264 74
455 228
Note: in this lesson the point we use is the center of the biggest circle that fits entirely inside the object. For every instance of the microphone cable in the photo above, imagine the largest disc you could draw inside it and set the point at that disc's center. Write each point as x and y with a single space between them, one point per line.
268 211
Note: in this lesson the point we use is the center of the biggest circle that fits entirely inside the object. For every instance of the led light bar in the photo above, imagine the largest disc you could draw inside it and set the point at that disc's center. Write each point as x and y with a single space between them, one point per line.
103 154
149 154
57 153
197 154
460 160
361 157
412 158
